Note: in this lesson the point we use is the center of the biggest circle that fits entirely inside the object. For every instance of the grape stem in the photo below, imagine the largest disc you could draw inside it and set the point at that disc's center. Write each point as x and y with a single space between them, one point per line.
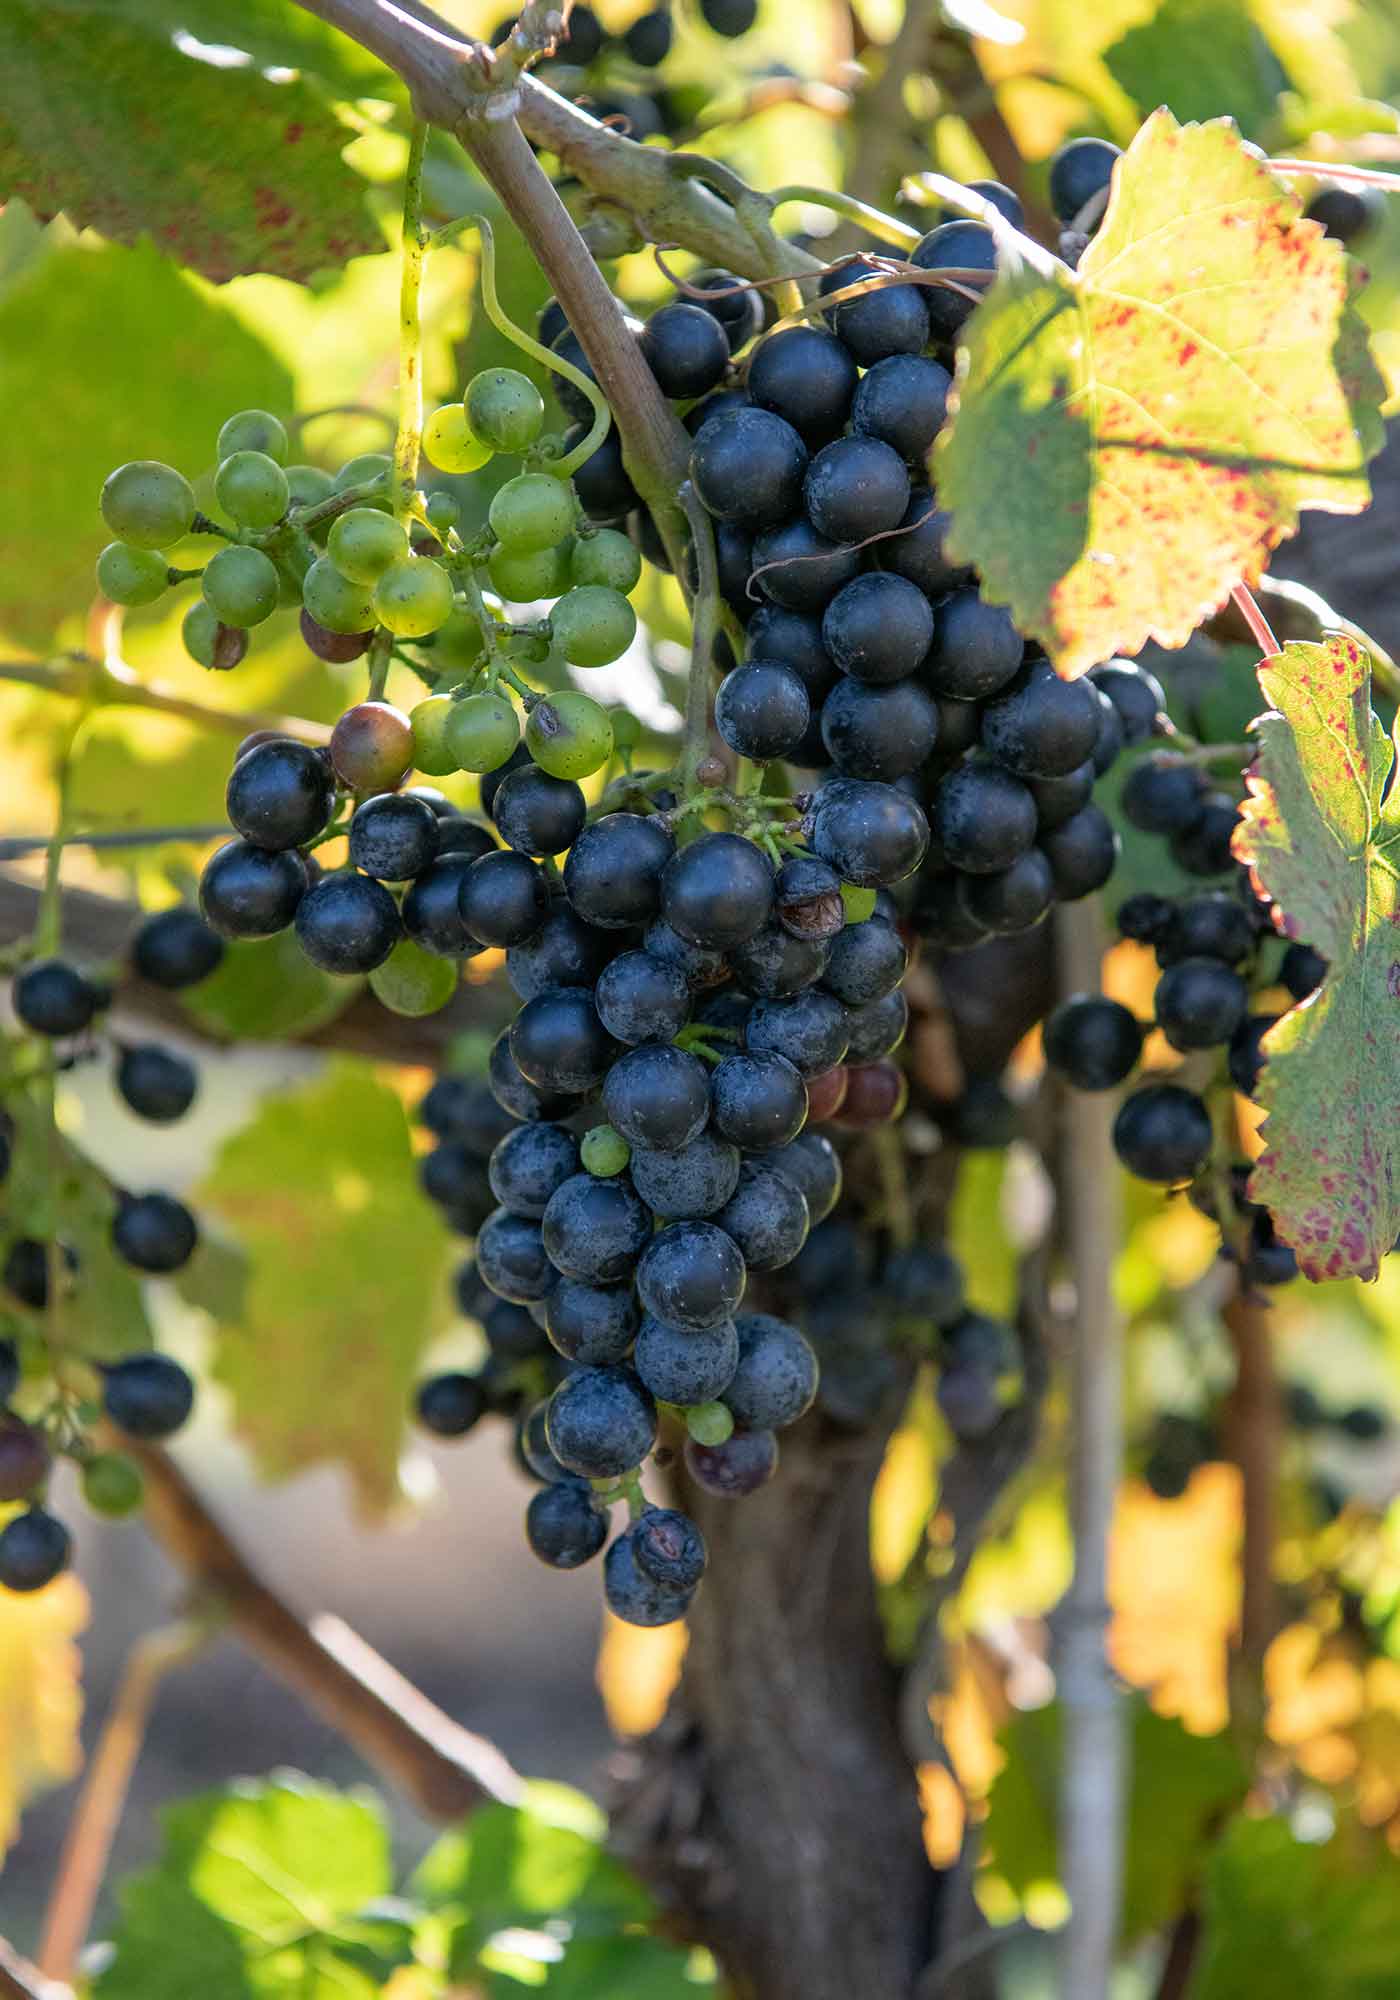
901 234
413 252
1247 604
381 653
705 613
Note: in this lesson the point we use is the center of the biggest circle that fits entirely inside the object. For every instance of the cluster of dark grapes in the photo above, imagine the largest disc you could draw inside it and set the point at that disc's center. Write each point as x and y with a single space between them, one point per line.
146 1395
1179 1442
1216 949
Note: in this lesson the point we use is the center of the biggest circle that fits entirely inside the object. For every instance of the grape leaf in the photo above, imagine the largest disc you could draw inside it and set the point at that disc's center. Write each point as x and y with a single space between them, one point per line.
345 1256
1199 58
1167 409
1291 1916
109 121
1321 834
277 34
263 1889
115 328
41 1700
1179 1785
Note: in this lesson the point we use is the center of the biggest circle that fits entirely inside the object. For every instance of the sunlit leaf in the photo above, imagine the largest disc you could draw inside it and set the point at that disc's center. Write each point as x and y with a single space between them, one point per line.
41 1700
1321 832
1167 409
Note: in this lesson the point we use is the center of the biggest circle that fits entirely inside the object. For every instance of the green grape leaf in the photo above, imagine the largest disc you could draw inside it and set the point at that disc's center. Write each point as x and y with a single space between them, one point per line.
115 327
1167 408
277 34
107 119
1290 1916
267 990
263 1890
1321 834
1199 58
345 1257
1179 1786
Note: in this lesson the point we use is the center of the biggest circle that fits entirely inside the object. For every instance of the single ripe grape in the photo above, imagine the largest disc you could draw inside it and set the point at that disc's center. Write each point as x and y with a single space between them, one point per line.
334 601
253 430
504 409
413 597
482 731
569 734
363 543
443 512
458 645
253 489
129 575
592 625
412 981
306 484
372 747
241 586
448 442
606 557
147 503
112 1485
524 578
604 1152
337 647
533 511
432 754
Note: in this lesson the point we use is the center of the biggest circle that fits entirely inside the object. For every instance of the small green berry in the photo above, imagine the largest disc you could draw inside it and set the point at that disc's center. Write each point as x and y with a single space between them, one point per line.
364 542
532 511
130 575
528 578
709 1423
253 430
253 489
308 484
448 442
607 557
241 586
593 626
412 981
604 1152
413 597
504 409
627 731
334 601
209 641
483 731
112 1485
569 734
148 504
359 471
458 645
432 753
443 512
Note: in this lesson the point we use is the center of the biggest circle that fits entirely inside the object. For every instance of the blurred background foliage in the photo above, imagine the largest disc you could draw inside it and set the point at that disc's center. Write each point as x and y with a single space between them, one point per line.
324 1287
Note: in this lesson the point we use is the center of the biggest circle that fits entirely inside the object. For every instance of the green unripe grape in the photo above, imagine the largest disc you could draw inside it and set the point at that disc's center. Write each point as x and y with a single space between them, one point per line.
443 513
532 511
709 1423
131 576
364 542
359 471
413 981
449 443
592 625
432 753
627 731
504 409
482 731
210 643
241 585
252 488
607 557
413 597
569 734
604 1152
253 430
334 601
524 578
147 504
112 1485
458 645
306 484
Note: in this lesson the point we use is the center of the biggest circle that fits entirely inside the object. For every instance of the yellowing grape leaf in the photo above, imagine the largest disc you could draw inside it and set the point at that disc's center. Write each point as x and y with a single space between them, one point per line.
344 1257
41 1702
1134 437
1321 833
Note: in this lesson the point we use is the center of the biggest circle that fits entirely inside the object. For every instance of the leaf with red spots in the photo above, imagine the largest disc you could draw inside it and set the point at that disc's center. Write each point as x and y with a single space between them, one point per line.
227 171
1321 833
1134 437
